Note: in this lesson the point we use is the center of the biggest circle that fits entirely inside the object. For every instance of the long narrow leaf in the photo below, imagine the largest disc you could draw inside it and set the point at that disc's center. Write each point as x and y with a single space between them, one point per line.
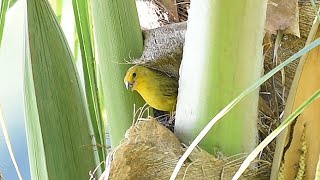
59 132
3 12
227 108
8 142
274 134
76 45
83 25
12 3
57 7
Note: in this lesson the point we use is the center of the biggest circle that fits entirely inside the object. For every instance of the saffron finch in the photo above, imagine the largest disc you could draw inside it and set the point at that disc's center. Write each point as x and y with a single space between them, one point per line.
156 88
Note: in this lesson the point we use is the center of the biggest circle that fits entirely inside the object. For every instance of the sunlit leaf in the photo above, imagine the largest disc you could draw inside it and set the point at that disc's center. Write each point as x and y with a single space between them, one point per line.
80 8
118 39
3 12
60 139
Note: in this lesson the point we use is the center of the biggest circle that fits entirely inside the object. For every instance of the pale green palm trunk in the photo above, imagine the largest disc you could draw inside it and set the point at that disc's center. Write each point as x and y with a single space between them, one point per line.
222 57
118 39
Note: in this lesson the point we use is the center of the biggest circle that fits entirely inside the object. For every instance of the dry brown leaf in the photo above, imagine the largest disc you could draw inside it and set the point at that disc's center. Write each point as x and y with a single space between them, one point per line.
283 15
171 7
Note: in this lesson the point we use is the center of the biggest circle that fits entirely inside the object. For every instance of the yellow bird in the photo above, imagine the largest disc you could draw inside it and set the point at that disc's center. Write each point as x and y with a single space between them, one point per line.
157 89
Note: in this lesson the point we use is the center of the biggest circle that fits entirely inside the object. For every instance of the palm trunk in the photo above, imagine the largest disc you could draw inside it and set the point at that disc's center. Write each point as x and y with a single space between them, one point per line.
118 39
222 56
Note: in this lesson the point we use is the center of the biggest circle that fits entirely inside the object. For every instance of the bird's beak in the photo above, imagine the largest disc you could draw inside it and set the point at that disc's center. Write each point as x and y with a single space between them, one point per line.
128 85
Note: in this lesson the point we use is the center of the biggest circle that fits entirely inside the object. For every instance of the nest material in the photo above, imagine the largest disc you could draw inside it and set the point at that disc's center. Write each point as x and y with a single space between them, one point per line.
152 14
183 7
151 151
163 48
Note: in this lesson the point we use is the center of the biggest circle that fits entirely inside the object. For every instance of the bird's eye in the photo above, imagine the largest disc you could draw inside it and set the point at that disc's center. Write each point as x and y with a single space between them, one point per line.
134 75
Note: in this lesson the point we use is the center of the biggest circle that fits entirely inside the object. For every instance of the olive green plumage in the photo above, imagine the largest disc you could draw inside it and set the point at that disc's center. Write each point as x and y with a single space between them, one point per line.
157 89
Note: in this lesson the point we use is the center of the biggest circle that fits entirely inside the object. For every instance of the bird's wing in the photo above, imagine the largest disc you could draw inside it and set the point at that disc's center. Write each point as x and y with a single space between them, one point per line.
169 87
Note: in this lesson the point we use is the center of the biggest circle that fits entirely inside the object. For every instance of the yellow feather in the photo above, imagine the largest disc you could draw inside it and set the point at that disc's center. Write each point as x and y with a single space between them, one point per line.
157 89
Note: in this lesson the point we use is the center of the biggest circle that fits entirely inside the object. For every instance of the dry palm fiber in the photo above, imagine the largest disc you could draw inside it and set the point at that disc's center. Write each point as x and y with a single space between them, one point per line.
151 151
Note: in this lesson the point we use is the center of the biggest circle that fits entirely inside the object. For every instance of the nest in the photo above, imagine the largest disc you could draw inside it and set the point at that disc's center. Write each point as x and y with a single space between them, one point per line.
151 151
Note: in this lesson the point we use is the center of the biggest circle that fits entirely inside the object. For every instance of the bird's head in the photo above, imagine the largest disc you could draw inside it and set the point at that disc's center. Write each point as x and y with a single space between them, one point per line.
130 80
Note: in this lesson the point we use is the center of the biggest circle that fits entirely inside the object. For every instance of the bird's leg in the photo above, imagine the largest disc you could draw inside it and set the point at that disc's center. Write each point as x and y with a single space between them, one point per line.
165 118
172 115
